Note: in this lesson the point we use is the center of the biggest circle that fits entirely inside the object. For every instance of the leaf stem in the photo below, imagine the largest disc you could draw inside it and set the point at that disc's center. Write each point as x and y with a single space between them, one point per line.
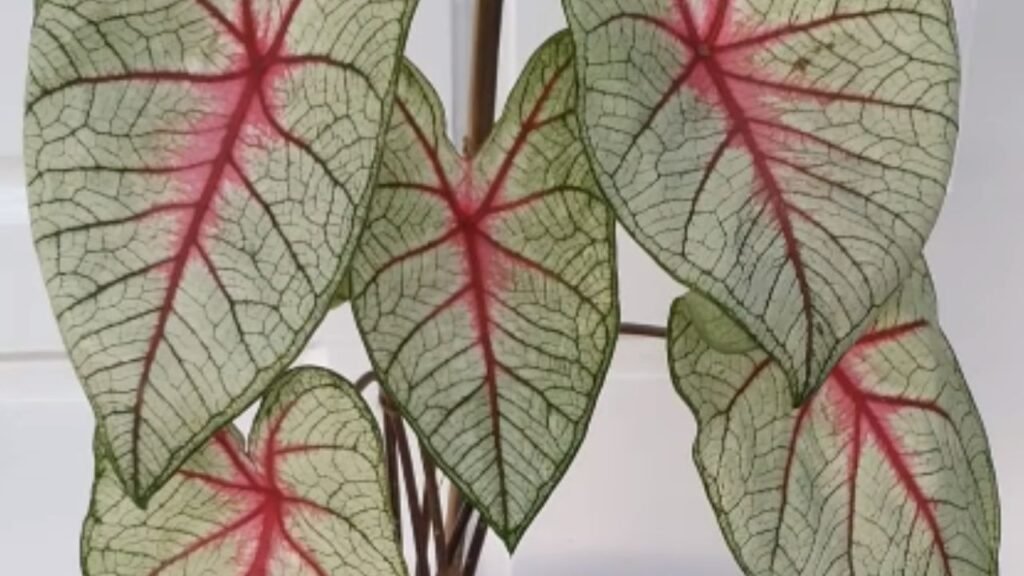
364 381
476 547
458 531
420 522
643 330
394 488
448 533
432 509
483 88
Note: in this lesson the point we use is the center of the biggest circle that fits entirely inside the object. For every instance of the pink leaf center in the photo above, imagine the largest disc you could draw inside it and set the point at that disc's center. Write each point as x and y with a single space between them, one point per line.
241 109
722 71
262 531
474 209
865 418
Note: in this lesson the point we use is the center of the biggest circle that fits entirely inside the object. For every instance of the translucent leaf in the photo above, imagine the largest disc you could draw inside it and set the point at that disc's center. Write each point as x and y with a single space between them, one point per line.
884 470
308 498
485 289
787 158
196 170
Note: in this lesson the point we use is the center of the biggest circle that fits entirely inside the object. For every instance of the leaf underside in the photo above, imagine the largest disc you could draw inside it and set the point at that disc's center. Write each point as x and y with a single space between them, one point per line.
308 498
884 470
786 158
196 170
485 289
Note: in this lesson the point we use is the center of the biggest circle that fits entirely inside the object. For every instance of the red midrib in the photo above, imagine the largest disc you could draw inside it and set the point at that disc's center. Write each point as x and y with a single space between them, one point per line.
183 256
776 199
272 516
271 511
864 410
906 477
478 289
257 70
470 228
472 232
466 226
273 507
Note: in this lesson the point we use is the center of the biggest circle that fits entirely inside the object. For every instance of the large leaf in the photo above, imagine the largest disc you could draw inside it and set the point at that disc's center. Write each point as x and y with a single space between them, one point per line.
787 158
195 171
485 289
309 499
884 470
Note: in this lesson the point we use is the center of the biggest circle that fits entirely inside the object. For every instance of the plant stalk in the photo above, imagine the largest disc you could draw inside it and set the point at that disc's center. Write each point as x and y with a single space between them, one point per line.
453 554
643 330
483 87
432 510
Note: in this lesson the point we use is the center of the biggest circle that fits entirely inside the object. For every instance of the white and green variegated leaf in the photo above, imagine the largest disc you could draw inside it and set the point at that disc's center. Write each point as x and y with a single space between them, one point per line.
196 170
788 158
884 470
308 497
485 289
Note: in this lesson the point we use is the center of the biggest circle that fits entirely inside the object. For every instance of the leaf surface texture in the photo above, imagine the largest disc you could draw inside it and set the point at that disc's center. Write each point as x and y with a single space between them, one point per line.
788 158
485 289
884 470
196 172
309 498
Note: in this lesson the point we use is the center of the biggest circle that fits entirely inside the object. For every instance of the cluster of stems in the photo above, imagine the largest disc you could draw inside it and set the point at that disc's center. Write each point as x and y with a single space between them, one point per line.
443 537
443 543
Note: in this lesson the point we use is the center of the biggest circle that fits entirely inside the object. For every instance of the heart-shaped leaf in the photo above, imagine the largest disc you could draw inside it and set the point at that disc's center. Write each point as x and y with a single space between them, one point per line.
485 289
309 498
786 158
884 470
196 170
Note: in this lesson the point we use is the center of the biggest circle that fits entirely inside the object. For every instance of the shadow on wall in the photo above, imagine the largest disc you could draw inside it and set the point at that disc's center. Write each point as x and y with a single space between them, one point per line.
618 565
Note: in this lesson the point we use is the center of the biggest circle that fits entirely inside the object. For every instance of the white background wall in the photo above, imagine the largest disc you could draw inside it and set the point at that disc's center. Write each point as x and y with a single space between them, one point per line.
632 503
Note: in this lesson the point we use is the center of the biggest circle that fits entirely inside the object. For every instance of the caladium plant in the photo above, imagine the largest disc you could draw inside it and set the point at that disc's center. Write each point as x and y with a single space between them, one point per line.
208 178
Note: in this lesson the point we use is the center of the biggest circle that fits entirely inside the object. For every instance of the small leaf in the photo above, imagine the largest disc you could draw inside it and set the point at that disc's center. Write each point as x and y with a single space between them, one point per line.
196 170
786 158
884 470
485 289
715 329
309 499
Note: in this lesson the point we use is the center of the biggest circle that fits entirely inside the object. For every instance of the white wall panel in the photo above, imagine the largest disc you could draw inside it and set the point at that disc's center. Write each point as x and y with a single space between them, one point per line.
977 251
14 33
